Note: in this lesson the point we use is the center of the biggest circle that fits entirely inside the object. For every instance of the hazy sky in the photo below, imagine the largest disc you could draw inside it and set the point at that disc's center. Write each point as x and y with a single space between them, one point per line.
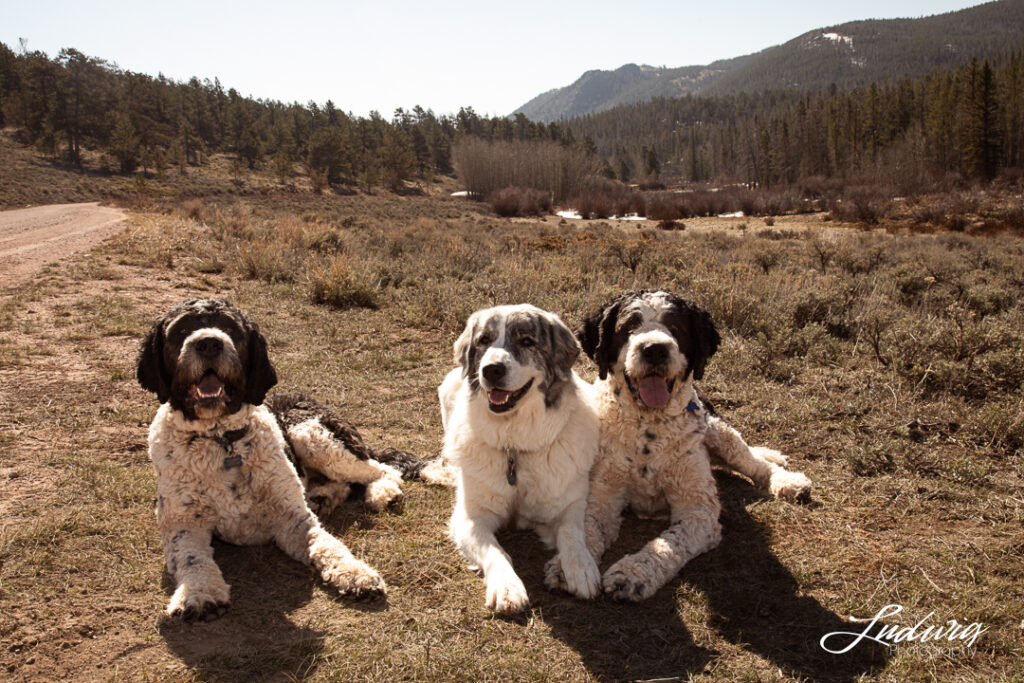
441 55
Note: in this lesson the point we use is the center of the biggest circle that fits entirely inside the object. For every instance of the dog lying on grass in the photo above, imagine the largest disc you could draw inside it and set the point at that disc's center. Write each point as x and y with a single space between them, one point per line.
659 439
520 439
222 458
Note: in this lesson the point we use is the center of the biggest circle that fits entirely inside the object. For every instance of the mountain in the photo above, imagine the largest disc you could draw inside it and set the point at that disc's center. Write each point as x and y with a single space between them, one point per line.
846 56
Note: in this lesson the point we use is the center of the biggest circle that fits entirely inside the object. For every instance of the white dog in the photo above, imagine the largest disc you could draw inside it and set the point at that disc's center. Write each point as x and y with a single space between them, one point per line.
521 437
657 435
223 464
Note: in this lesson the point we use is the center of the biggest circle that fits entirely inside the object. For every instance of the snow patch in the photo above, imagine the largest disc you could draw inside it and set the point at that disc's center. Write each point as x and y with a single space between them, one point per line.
737 214
836 38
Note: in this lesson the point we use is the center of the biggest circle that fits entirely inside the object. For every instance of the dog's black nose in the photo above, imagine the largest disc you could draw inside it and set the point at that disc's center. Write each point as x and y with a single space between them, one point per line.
654 354
494 373
209 346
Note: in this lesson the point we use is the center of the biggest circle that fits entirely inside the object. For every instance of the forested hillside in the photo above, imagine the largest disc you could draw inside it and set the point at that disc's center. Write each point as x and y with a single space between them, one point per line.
839 57
968 123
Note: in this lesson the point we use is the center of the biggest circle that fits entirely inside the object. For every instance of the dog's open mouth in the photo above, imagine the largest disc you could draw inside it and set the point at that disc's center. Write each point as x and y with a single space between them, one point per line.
209 389
500 401
654 391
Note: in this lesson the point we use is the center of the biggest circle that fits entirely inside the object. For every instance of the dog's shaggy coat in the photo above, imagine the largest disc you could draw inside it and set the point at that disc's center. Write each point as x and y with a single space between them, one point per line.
223 460
521 437
659 439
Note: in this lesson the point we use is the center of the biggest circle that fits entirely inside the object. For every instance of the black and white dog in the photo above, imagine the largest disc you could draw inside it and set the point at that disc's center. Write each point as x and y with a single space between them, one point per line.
222 458
520 437
659 439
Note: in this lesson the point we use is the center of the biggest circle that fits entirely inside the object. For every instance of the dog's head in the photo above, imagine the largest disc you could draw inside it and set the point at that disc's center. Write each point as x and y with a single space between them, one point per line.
207 359
513 353
651 341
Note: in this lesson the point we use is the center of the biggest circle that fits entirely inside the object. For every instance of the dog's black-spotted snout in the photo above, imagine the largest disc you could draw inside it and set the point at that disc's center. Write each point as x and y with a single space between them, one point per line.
654 354
209 347
494 373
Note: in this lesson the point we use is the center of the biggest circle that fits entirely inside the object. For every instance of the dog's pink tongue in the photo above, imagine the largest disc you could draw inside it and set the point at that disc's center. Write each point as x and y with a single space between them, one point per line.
653 391
498 396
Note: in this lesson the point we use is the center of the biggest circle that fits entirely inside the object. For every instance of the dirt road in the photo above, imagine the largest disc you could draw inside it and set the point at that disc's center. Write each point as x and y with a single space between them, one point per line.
31 238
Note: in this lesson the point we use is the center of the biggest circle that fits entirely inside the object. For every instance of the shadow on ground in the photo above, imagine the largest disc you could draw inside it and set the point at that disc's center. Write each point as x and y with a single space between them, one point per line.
257 637
752 598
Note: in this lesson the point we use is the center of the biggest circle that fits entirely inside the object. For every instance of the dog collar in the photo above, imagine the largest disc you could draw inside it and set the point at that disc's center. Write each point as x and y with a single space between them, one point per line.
227 441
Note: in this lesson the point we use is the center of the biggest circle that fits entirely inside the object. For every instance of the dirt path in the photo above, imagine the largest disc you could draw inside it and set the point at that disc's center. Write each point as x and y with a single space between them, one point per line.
31 238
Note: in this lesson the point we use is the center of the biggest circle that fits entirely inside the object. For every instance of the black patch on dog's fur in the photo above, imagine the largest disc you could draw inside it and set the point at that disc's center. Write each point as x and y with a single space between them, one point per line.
695 333
293 409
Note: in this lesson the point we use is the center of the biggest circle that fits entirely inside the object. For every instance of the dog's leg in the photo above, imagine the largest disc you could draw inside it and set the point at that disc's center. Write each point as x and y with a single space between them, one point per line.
763 465
317 449
573 568
605 504
300 535
473 534
201 591
695 529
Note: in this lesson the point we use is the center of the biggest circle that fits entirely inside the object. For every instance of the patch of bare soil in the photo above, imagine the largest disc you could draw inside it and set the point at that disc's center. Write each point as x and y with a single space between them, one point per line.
31 238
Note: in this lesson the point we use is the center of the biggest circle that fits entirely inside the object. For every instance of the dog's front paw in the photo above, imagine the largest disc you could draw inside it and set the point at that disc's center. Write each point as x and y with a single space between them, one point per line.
507 595
206 603
382 493
354 579
790 485
629 580
581 577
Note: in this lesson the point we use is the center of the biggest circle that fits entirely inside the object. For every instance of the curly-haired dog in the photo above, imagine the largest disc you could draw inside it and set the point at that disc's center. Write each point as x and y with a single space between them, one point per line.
520 437
657 435
222 458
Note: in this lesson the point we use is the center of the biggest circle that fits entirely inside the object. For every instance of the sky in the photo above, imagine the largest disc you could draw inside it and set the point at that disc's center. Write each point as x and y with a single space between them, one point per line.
363 56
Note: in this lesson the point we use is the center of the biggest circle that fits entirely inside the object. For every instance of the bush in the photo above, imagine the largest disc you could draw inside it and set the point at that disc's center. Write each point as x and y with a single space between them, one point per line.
520 201
333 283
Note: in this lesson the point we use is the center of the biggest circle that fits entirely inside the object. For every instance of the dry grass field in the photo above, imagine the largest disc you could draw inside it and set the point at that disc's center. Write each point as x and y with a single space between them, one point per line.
887 364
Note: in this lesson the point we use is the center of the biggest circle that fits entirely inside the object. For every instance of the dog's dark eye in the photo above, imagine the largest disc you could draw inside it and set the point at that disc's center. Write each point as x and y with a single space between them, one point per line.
484 340
526 341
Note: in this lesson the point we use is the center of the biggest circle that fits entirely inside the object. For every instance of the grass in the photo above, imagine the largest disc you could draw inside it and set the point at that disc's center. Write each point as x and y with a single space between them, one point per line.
887 363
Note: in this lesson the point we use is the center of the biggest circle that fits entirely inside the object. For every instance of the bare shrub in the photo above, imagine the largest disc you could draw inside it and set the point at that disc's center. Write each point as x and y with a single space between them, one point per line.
592 204
519 201
334 283
267 261
661 207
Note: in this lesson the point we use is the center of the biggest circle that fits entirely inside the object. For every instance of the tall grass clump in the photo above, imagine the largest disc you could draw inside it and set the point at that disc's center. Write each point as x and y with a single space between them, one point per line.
333 282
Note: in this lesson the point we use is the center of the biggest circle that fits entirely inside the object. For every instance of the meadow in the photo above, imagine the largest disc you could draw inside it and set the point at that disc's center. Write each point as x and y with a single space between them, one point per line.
887 361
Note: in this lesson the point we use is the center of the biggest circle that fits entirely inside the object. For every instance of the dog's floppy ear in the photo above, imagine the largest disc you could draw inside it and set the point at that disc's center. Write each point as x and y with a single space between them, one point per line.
564 348
597 335
150 370
260 375
464 345
694 332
